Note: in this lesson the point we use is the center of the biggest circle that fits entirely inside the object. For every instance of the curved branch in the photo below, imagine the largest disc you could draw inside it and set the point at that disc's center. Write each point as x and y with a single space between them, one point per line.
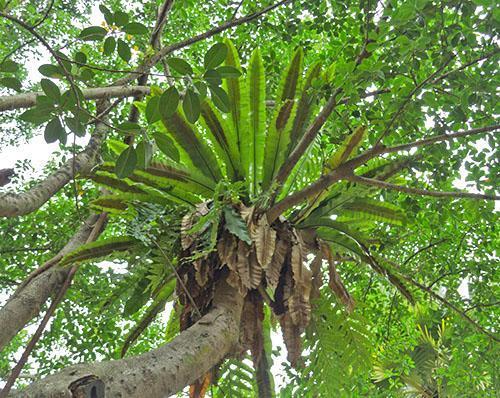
160 372
17 204
26 302
11 102
418 191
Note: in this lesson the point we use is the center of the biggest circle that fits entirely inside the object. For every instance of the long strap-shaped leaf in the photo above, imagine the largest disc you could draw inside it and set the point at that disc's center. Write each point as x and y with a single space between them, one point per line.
190 141
370 209
252 141
222 137
164 176
99 249
238 115
278 137
304 106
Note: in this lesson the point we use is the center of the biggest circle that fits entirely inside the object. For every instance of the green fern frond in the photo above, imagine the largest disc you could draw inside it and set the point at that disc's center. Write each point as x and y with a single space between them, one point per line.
102 248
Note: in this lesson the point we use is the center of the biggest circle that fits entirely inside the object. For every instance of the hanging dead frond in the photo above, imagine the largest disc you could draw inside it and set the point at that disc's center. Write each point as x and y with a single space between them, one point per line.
291 337
264 238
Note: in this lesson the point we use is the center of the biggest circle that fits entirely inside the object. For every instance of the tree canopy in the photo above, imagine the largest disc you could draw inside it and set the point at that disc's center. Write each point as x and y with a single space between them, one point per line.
241 199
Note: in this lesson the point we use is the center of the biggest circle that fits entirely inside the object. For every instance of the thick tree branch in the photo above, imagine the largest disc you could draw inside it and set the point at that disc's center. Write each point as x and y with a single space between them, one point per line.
322 183
158 56
17 204
160 372
26 302
28 100
418 191
346 169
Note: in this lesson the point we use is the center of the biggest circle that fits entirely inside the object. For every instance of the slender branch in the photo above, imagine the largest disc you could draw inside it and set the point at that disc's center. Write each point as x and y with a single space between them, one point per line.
466 65
343 170
449 305
430 245
415 90
44 16
418 191
322 183
442 137
18 101
153 60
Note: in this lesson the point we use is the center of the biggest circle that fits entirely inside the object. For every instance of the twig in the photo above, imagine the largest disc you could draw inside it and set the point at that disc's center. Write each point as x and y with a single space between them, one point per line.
183 285
153 60
430 245
442 137
449 305
418 191
408 98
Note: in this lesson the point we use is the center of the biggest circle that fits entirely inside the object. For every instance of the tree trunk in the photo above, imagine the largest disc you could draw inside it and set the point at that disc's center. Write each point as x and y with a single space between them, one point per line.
160 372
26 302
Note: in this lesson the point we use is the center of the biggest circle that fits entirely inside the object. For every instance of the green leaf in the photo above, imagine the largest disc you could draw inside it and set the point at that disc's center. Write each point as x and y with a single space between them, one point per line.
305 105
99 249
75 126
109 45
80 57
9 66
348 148
139 297
252 142
196 148
11 82
36 115
179 65
126 162
222 137
215 55
227 71
54 131
166 145
135 28
93 33
124 50
51 90
152 110
168 102
129 127
201 88
108 15
278 137
236 225
51 71
213 78
121 18
238 116
191 106
144 154
220 98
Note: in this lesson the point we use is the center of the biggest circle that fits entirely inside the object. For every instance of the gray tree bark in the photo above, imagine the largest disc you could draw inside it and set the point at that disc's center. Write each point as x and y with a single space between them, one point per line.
26 302
19 101
160 372
17 204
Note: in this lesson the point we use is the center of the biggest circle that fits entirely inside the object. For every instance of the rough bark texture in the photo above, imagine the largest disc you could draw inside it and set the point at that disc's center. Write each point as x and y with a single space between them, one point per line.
10 102
25 304
17 204
160 372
